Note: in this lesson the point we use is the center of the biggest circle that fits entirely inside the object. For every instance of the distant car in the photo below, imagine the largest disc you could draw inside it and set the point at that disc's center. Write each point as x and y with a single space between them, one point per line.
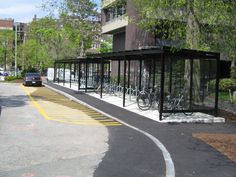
5 74
32 79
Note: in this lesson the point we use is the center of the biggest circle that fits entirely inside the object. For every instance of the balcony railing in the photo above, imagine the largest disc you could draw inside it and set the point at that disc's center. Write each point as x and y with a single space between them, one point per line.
115 24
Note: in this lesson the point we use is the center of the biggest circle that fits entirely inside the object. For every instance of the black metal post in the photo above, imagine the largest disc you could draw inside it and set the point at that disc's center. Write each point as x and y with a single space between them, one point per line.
102 76
150 74
162 85
54 73
170 76
109 73
128 74
140 75
118 73
79 75
217 84
58 73
154 73
97 75
74 71
64 74
70 74
191 85
86 75
124 85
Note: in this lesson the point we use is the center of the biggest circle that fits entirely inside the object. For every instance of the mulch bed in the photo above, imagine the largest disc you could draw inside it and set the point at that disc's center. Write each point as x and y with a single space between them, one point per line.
225 143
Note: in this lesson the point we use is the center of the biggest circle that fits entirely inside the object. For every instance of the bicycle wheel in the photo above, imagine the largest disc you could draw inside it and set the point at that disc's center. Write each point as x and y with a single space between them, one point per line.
118 91
188 113
144 101
168 105
183 106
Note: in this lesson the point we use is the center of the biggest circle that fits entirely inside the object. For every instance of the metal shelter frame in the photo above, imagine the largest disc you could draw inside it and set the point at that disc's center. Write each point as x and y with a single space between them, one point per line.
165 58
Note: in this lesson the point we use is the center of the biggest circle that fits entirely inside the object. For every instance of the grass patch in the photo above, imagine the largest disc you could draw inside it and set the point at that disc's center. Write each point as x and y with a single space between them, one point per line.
224 96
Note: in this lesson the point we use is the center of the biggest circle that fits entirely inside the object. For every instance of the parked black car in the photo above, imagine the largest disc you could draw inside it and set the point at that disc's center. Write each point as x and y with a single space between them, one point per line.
32 79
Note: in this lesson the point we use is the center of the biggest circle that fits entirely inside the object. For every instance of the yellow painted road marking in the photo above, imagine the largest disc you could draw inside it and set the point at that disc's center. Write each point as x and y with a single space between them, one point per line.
41 111
95 118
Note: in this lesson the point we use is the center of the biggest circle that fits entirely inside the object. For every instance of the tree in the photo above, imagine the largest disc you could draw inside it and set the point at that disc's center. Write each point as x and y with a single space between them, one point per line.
195 24
6 47
106 46
79 18
47 40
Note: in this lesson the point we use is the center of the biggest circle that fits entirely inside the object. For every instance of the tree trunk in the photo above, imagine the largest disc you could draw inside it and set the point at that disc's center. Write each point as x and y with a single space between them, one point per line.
82 48
192 41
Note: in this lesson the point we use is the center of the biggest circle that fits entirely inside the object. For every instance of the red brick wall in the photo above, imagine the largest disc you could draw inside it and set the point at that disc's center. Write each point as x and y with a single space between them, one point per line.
6 23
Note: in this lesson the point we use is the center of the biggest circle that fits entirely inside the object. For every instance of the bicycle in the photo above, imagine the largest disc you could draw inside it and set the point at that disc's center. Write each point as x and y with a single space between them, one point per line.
147 98
107 89
118 90
132 92
176 103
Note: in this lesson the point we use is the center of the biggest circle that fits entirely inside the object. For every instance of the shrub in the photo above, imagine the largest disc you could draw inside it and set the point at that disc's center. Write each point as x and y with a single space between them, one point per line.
12 78
224 84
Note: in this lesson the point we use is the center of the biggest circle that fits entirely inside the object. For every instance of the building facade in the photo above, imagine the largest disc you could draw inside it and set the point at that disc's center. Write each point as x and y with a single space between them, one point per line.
20 29
6 24
118 20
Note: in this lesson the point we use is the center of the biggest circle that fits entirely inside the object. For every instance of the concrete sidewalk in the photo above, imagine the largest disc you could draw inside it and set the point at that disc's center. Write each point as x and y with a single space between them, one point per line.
131 106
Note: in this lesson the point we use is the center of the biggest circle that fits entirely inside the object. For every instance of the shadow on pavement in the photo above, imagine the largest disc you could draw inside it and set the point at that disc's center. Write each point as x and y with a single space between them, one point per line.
13 101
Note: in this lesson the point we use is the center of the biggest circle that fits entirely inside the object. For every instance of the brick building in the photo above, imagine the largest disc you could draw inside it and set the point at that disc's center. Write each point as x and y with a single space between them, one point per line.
6 24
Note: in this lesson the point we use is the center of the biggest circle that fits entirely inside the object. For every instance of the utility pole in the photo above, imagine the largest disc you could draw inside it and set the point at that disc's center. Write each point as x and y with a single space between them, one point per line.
16 49
23 66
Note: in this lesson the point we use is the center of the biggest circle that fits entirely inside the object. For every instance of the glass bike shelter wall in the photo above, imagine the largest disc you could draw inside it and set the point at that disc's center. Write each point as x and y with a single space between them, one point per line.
84 74
184 80
190 84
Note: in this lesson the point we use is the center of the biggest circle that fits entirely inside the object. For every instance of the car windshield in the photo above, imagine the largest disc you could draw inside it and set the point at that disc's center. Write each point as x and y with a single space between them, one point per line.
32 75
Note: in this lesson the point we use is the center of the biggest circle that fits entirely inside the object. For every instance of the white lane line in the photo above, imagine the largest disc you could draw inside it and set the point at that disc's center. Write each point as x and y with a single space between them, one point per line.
170 168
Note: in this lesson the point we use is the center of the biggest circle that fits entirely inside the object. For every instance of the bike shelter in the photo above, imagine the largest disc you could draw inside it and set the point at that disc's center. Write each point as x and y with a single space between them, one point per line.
185 80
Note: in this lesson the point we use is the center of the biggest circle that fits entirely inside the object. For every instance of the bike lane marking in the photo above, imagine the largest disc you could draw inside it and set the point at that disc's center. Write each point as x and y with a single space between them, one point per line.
170 168
85 121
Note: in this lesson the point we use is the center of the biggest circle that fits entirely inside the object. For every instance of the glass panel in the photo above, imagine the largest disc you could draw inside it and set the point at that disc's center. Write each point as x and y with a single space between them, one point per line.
177 85
204 74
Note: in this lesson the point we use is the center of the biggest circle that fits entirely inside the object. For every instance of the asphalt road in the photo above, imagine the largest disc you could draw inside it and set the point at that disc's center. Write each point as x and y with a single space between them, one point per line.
191 157
44 134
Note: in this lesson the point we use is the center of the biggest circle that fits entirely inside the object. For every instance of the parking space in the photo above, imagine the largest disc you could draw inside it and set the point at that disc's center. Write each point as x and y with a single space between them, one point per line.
45 134
55 107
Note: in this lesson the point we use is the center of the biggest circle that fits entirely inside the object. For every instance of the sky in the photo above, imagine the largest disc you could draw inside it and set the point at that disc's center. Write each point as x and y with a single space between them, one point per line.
22 10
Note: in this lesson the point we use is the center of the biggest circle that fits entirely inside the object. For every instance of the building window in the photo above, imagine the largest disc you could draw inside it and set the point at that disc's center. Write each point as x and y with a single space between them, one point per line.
114 12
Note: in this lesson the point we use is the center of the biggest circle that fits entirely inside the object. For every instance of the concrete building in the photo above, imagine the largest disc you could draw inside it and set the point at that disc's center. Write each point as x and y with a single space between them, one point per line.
118 17
116 20
21 29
